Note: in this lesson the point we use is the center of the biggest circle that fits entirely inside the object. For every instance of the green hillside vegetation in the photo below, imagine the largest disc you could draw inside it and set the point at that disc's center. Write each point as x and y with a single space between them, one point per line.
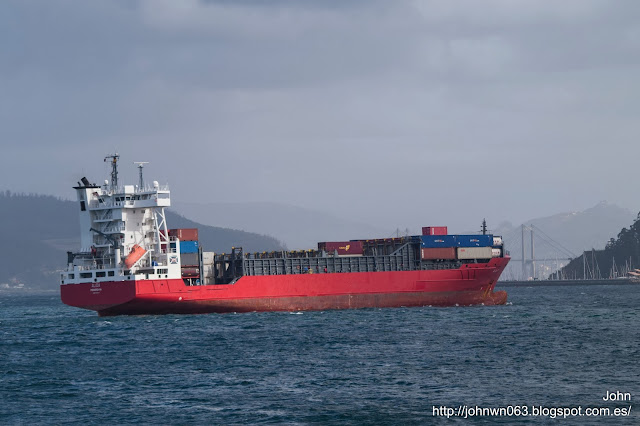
38 230
618 257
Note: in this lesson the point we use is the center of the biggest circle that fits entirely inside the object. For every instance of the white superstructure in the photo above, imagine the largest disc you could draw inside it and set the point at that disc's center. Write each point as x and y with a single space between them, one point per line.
123 233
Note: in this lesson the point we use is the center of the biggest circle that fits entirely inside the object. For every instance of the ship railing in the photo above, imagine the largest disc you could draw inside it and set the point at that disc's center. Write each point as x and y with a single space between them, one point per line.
114 228
148 189
99 241
96 204
93 267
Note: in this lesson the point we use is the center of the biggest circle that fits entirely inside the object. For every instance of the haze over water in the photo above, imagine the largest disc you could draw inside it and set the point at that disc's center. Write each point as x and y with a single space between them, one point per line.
551 347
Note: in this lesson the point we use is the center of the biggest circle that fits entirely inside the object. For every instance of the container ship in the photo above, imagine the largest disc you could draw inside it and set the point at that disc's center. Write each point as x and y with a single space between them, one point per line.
132 263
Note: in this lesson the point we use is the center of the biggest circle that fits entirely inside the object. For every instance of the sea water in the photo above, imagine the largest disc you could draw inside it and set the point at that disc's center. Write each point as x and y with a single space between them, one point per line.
549 348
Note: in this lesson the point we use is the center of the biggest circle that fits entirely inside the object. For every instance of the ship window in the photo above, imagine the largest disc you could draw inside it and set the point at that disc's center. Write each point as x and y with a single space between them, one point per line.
71 276
82 206
101 274
110 273
85 274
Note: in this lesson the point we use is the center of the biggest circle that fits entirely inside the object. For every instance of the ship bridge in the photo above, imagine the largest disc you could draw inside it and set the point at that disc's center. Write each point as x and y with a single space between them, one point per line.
123 228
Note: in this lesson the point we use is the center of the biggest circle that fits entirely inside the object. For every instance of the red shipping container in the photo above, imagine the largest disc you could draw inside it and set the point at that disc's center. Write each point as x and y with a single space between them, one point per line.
190 272
434 230
439 253
344 248
184 234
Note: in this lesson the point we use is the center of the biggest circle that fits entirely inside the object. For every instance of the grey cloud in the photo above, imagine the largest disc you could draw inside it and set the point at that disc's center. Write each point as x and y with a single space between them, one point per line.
387 111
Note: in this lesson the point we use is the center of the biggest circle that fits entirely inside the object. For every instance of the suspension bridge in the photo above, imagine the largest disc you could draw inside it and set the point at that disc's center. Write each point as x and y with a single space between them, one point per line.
535 255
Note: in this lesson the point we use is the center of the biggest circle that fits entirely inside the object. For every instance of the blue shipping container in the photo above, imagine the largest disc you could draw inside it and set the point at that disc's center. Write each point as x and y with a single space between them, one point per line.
474 240
432 241
188 246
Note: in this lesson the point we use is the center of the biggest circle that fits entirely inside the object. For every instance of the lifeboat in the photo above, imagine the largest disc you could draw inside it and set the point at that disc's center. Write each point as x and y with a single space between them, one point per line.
136 253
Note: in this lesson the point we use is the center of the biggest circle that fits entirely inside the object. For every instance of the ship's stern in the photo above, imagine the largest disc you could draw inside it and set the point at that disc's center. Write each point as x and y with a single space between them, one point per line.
98 296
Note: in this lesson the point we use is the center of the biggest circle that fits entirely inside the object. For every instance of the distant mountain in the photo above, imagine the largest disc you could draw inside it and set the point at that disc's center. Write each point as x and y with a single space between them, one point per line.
574 231
298 227
220 240
38 230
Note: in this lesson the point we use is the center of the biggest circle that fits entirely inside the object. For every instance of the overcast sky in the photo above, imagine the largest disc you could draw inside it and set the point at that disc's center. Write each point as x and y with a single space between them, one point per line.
405 113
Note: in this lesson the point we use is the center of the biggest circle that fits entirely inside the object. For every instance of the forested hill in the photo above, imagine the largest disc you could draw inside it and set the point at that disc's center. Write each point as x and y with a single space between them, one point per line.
620 255
38 230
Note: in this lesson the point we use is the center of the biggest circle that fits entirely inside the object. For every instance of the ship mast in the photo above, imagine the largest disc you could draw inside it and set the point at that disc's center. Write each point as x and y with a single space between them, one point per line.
140 166
114 169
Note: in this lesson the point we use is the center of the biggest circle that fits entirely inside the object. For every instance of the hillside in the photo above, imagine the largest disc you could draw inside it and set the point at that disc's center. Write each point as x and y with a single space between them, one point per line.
38 230
620 255
298 227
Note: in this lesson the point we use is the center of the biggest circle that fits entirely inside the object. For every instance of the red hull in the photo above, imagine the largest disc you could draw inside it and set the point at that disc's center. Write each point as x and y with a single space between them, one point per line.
472 284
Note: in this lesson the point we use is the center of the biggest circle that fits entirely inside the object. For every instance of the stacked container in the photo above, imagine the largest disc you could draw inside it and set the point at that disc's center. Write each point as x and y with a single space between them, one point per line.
208 270
189 251
463 247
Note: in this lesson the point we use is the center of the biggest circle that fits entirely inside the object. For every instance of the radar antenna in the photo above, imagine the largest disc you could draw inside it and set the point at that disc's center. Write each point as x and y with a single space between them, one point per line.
140 166
114 169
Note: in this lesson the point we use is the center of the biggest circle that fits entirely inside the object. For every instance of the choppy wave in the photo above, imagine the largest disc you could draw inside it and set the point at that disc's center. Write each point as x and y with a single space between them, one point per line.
548 346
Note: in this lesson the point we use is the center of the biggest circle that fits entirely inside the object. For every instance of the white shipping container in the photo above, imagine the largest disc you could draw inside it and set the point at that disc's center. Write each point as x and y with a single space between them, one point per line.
496 252
207 271
207 257
475 252
497 241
